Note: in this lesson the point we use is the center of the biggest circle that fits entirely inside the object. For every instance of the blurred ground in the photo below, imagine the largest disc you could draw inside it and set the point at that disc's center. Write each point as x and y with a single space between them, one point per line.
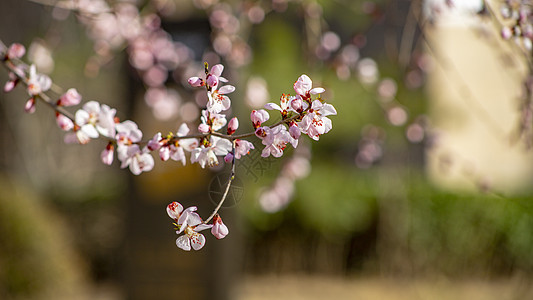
297 287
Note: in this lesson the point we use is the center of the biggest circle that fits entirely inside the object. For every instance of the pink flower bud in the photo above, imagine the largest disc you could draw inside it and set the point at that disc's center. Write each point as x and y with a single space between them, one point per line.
294 131
71 97
154 143
164 153
30 106
16 51
63 122
196 81
219 229
297 104
204 128
258 117
211 80
228 158
506 33
233 125
10 85
107 154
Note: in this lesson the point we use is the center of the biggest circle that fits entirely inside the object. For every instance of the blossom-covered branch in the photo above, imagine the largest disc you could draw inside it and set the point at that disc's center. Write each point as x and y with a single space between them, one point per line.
304 113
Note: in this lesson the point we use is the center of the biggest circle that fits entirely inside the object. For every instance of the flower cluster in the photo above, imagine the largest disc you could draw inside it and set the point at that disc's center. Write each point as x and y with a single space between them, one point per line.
304 113
188 222
519 13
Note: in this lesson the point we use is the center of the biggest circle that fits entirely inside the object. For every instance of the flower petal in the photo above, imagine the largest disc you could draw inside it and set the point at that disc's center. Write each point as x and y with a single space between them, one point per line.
184 243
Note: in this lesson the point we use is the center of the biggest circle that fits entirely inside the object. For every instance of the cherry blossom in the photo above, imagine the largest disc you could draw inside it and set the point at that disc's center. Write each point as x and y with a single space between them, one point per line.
232 126
276 139
212 121
218 101
70 98
258 117
128 133
64 122
207 154
285 105
136 159
242 147
37 83
94 119
190 223
304 87
107 154
16 50
316 123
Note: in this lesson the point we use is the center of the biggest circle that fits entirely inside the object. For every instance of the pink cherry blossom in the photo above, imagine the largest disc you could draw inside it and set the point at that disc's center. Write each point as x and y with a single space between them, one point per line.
214 121
294 130
232 126
127 133
242 147
196 82
191 224
258 117
94 119
276 139
71 97
207 155
107 154
155 142
12 82
63 122
316 123
16 50
304 88
29 107
37 83
284 107
219 229
217 99
136 159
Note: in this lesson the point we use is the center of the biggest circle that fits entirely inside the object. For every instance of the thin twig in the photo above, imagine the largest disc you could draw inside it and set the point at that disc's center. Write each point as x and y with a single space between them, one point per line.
230 180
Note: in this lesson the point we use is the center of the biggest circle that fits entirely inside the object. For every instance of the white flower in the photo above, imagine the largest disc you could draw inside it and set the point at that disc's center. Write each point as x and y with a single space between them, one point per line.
93 120
38 83
304 87
315 123
242 147
138 160
208 154
218 101
190 223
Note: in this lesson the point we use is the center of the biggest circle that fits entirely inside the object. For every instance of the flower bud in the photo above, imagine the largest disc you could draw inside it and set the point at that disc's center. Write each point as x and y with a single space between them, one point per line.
63 122
30 106
204 128
107 154
258 117
211 80
233 125
71 97
16 51
228 158
196 81
297 104
294 131
219 229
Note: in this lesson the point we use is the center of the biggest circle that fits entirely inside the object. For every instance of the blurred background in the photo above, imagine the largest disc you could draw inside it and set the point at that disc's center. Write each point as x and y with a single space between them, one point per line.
422 189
